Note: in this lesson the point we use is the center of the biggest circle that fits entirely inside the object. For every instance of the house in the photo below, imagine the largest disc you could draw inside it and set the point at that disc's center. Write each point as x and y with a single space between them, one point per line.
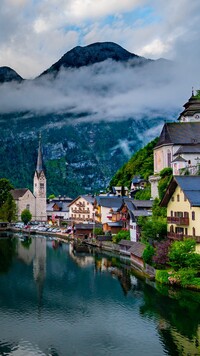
137 184
129 213
36 201
182 200
58 209
106 208
85 231
178 146
136 252
81 209
124 247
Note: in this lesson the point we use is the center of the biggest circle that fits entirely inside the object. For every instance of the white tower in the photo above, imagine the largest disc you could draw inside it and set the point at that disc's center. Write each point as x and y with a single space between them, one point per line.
39 188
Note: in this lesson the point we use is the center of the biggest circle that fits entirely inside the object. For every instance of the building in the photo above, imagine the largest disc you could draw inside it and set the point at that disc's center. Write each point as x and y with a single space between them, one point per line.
178 146
58 209
106 208
182 200
81 209
36 201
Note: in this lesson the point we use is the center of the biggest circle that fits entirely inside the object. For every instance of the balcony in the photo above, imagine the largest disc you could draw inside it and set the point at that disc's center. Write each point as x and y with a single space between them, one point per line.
178 220
175 236
179 236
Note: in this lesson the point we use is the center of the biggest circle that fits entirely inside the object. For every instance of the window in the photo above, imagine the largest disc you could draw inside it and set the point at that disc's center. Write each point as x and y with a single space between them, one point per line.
172 198
193 215
178 197
171 213
42 187
185 199
169 158
193 231
186 231
28 206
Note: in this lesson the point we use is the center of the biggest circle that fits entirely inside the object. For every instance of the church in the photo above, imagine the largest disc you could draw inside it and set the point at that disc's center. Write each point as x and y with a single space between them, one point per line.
178 146
35 202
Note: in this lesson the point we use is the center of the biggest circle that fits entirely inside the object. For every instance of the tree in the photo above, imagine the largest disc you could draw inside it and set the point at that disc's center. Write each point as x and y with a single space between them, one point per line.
8 210
121 235
165 175
148 254
26 216
182 254
161 254
5 188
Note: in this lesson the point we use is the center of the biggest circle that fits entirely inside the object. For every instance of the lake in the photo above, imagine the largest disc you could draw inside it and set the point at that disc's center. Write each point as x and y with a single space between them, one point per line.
57 301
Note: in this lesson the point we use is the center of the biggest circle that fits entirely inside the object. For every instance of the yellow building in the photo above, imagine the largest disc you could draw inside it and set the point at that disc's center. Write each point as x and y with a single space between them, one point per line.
182 200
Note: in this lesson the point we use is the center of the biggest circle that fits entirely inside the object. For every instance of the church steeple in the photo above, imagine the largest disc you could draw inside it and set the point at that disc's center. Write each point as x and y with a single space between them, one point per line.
39 186
39 167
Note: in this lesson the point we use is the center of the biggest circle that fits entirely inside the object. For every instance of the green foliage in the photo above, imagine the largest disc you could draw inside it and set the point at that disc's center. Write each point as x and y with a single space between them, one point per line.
153 228
162 276
8 211
7 252
98 231
148 254
51 196
157 210
181 254
141 163
121 235
144 194
165 175
26 216
27 242
5 188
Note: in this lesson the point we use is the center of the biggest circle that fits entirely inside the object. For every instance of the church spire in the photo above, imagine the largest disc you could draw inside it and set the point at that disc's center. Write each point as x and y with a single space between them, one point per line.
39 167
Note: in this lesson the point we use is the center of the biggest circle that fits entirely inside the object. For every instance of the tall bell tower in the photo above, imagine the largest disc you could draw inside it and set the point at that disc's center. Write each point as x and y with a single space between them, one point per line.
39 187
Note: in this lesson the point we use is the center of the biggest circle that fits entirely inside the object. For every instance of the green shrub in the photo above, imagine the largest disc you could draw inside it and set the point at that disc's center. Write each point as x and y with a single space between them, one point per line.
162 276
148 254
121 235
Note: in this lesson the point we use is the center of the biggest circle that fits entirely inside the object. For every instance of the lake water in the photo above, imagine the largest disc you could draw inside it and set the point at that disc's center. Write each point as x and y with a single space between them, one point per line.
55 301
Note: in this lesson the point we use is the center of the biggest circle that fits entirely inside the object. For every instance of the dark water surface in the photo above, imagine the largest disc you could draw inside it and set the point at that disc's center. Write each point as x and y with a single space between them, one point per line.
54 301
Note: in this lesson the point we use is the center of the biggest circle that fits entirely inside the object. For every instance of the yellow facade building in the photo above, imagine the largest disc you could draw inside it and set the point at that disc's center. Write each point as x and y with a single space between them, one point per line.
182 200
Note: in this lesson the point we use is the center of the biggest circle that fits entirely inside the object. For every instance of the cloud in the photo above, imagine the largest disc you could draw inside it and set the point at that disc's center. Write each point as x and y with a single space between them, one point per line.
35 34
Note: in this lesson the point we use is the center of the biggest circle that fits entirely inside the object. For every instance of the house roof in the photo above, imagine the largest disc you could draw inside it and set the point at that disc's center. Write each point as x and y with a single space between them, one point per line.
179 159
18 193
137 204
115 223
137 249
190 186
125 243
109 202
87 226
179 134
88 198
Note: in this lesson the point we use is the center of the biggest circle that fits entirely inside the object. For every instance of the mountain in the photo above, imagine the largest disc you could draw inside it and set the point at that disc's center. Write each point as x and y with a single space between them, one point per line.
8 75
85 113
94 53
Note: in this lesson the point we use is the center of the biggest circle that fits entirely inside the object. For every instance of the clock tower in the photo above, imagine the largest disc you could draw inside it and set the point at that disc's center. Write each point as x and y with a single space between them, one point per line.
39 187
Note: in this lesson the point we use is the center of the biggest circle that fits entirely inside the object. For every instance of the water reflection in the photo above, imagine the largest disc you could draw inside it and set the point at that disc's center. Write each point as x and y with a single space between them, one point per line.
51 297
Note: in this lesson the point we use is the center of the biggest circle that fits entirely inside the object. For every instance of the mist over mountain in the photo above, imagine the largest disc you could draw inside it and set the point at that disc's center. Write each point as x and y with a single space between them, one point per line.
95 107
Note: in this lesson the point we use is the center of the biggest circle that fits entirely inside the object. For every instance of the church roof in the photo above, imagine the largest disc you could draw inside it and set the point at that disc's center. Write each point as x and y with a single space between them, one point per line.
188 149
192 106
179 134
179 159
18 193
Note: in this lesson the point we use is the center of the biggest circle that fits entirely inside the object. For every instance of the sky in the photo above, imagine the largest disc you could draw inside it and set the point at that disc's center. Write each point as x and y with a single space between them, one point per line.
34 34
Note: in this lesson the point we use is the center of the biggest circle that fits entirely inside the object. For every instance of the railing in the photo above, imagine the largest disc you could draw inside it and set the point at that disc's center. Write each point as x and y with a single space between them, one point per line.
178 220
80 211
180 236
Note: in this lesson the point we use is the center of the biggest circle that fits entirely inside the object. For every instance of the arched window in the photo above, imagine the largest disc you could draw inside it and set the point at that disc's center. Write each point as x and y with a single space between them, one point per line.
193 231
178 197
169 158
193 215
28 206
